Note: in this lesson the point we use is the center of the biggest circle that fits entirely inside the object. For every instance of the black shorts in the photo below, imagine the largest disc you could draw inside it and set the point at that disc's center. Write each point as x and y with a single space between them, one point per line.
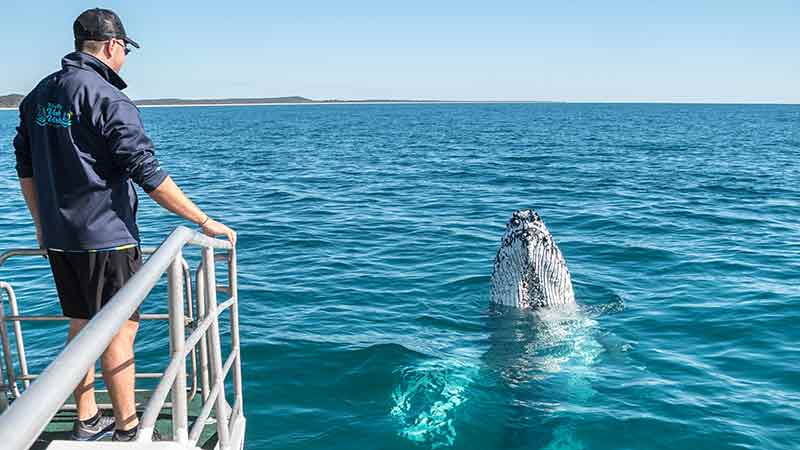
87 281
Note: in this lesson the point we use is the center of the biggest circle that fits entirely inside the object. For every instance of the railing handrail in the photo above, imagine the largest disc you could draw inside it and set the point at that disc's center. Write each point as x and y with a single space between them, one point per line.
21 251
25 419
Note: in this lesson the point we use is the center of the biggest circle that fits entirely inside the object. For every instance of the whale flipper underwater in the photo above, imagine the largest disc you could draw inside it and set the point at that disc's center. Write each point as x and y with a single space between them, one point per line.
529 269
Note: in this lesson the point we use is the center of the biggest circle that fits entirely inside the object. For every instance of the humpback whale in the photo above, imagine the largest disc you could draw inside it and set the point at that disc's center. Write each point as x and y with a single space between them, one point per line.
536 368
529 269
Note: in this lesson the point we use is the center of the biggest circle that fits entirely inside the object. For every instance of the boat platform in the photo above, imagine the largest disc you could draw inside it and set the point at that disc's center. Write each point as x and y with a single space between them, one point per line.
60 428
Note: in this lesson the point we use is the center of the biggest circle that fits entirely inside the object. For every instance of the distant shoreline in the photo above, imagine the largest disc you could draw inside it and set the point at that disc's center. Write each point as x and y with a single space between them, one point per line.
425 102
150 104
364 102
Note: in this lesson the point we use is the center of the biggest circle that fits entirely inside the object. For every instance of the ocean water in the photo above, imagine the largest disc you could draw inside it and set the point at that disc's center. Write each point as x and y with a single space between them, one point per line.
367 236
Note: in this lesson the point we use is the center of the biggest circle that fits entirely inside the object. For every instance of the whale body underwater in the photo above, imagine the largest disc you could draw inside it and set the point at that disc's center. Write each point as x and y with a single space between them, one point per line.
529 269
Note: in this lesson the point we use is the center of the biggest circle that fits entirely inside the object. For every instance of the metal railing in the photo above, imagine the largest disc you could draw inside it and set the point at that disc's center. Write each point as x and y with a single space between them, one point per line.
12 389
33 408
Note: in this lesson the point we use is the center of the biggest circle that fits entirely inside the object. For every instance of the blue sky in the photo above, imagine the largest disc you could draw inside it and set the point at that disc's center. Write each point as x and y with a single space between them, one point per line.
676 51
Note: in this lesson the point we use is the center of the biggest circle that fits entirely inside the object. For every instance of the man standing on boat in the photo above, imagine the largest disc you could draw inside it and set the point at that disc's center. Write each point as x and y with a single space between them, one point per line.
79 147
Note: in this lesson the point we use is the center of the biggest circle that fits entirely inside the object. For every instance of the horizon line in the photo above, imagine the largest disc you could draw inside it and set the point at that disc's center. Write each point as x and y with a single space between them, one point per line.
300 100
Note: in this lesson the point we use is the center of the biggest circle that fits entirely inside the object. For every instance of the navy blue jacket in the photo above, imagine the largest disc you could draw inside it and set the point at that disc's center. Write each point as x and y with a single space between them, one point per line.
82 141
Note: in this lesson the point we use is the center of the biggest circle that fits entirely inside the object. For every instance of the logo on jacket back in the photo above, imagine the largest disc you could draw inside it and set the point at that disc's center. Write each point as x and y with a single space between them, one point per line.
53 115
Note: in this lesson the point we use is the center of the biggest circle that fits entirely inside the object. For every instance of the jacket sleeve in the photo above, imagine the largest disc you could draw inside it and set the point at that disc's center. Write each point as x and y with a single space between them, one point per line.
131 150
22 149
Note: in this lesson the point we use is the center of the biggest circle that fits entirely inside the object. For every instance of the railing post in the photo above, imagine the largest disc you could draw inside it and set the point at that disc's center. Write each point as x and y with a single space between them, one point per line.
3 388
23 358
12 382
233 283
177 339
215 349
200 284
187 282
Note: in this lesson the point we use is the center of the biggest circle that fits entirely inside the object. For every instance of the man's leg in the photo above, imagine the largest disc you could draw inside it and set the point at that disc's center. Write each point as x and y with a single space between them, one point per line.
84 392
119 374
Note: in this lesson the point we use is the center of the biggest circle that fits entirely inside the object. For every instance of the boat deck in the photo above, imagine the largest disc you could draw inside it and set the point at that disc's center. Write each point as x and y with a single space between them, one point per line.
60 426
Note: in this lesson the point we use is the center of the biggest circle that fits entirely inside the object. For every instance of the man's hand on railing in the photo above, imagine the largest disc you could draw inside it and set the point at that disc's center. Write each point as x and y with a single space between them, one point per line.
214 228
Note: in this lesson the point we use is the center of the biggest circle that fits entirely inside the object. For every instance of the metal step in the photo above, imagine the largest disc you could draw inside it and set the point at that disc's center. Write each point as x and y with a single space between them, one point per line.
75 445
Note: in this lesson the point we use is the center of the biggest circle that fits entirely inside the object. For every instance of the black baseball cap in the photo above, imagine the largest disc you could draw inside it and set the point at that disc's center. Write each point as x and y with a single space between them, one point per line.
100 25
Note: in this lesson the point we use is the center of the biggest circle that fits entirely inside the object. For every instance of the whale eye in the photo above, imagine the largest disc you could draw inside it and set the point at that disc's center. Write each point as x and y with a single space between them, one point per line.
514 222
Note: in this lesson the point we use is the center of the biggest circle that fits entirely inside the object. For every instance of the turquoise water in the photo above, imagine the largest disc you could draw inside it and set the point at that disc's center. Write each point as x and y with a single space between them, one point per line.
367 235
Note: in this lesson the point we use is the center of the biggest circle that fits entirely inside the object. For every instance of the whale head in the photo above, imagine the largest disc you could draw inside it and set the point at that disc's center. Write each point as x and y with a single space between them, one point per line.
529 269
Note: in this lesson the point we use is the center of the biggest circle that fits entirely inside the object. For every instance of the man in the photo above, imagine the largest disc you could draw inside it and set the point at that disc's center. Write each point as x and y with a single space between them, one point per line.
79 146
